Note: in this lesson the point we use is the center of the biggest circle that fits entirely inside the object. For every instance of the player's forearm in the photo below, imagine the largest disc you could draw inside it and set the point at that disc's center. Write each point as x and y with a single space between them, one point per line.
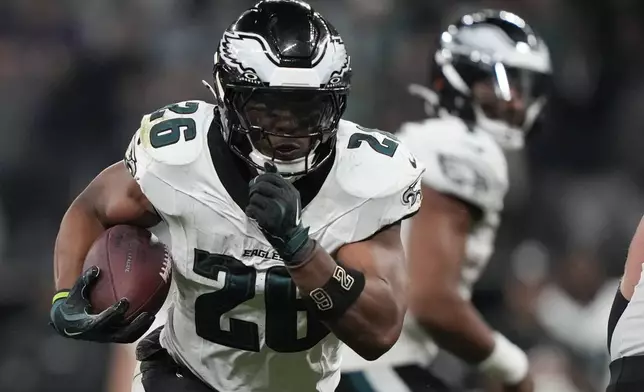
372 324
454 324
79 229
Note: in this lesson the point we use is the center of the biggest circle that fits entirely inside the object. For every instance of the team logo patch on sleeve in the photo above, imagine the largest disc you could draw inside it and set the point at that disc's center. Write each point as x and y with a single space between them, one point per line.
412 195
130 158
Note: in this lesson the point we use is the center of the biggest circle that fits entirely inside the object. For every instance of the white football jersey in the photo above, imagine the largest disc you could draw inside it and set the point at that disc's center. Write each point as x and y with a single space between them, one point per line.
469 165
237 320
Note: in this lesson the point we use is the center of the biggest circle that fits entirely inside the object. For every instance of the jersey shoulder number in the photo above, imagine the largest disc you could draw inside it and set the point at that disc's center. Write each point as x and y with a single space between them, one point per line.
174 134
168 140
373 164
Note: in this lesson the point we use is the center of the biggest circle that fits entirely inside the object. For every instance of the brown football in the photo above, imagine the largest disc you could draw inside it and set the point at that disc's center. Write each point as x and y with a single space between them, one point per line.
132 266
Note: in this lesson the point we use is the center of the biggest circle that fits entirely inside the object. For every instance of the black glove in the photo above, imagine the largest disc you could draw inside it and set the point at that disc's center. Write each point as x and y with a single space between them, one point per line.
71 316
274 204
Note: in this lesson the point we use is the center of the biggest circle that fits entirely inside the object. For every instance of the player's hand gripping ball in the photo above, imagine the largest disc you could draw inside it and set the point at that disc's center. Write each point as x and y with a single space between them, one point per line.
70 316
274 203
125 283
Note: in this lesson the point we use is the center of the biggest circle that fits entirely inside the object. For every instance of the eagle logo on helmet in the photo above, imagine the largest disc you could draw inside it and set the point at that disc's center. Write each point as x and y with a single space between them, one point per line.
234 43
341 62
250 56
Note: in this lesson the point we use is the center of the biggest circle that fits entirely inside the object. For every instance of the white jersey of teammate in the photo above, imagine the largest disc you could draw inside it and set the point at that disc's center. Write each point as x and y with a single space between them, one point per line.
236 320
469 165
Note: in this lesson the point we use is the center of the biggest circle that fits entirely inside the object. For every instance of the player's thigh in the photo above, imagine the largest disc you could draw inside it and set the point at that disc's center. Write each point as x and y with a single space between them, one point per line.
410 378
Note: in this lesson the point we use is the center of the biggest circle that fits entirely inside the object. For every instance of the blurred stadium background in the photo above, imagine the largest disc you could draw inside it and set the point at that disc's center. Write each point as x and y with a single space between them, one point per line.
76 75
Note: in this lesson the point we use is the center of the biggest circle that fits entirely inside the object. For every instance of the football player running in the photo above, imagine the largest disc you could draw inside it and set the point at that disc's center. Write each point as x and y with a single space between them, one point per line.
488 80
284 220
625 323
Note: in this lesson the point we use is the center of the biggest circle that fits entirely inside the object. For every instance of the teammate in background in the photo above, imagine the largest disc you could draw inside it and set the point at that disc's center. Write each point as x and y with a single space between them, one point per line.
625 323
488 83
284 220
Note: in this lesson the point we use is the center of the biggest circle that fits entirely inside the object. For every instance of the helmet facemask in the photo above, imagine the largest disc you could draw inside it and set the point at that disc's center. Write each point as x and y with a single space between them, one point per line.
293 128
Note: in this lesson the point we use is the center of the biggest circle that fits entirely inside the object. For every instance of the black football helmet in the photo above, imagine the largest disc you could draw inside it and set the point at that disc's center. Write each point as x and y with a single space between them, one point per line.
492 70
281 79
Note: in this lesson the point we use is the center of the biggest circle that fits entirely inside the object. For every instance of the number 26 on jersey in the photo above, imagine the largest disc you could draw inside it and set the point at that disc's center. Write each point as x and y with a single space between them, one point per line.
281 307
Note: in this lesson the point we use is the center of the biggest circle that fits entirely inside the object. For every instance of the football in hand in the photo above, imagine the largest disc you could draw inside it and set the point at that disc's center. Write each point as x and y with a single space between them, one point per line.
133 265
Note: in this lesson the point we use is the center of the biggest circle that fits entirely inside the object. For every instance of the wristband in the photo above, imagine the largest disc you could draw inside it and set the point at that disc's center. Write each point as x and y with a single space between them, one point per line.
507 361
333 299
60 294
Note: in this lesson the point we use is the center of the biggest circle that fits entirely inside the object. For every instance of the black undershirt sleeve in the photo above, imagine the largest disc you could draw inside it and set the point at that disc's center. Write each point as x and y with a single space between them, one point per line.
617 309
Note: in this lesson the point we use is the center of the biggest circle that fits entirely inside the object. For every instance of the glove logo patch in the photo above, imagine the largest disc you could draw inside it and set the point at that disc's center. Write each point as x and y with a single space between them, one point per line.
70 334
298 212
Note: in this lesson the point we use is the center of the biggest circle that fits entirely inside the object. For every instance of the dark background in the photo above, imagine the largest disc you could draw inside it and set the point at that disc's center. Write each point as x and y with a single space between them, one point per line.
76 76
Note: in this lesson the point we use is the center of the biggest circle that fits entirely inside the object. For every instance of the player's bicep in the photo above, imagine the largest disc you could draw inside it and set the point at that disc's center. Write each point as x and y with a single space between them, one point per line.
381 257
633 268
116 198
